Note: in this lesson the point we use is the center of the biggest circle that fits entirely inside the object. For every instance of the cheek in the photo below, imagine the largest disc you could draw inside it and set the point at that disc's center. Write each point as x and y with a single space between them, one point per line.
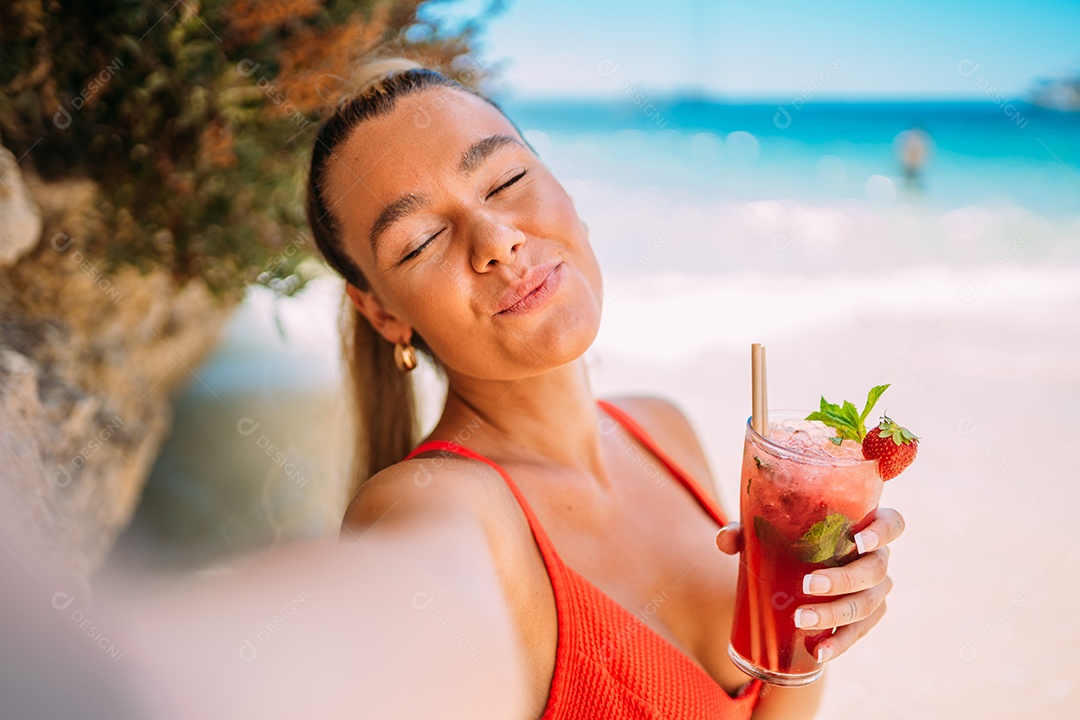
440 307
577 240
556 219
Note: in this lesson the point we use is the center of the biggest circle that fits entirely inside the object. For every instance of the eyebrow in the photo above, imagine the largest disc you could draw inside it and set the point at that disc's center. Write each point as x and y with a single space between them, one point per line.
397 210
482 150
409 203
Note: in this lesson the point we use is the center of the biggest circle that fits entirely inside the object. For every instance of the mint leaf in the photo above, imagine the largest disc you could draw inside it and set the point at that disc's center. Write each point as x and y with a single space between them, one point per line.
871 400
836 418
844 419
828 408
766 533
852 415
820 530
825 541
844 546
849 423
836 440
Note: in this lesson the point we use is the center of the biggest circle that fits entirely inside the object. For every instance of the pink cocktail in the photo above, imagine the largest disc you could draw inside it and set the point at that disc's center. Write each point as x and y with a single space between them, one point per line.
802 499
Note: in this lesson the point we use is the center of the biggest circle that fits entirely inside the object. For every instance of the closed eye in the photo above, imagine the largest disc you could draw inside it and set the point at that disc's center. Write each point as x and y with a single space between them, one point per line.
420 249
508 183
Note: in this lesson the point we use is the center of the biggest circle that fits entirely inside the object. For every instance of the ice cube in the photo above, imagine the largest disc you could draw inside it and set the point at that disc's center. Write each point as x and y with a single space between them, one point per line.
812 437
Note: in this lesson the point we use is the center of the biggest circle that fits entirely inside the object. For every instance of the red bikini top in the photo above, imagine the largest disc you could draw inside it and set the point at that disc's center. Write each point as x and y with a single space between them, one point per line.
608 663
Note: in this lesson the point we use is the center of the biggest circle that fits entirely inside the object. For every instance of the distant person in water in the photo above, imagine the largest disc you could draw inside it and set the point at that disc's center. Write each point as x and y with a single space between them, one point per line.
913 150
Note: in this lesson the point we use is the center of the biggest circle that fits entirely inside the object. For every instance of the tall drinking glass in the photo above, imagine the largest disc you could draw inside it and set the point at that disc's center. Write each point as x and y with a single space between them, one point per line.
801 501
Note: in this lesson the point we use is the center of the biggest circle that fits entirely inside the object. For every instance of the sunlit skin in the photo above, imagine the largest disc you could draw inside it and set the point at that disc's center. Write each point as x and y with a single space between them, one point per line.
519 383
483 229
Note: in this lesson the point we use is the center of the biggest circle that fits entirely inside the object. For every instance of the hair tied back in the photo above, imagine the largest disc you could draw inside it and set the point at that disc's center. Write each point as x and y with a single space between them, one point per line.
374 72
337 91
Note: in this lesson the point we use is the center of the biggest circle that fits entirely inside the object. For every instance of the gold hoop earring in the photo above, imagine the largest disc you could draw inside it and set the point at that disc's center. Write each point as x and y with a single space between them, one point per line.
404 356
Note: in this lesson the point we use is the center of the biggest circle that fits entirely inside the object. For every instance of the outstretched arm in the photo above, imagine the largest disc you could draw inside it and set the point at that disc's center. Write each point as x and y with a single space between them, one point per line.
403 616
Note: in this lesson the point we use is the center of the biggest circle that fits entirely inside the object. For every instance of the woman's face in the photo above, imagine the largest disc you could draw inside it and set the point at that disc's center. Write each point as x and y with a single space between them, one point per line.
452 218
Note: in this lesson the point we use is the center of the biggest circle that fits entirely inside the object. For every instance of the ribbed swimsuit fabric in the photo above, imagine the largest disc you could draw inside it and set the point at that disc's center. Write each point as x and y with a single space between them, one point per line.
608 663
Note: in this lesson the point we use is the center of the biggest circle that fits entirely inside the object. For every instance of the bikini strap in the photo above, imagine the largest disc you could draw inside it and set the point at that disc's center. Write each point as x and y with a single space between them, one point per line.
681 475
547 548
630 425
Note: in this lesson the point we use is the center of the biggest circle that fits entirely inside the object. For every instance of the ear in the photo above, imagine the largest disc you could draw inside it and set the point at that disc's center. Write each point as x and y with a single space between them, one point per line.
386 323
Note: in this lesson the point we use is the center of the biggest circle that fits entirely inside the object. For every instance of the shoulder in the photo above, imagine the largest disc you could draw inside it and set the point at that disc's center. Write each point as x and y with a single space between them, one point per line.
436 486
441 489
673 432
431 483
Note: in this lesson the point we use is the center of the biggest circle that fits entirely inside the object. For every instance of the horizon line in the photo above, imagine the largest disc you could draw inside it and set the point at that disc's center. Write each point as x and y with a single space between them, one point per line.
738 99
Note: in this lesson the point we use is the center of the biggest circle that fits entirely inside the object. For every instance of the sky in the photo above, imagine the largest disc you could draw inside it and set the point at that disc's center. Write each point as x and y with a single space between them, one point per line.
776 50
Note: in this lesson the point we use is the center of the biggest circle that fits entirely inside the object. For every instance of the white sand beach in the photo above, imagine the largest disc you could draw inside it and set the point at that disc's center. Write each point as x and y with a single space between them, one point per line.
979 623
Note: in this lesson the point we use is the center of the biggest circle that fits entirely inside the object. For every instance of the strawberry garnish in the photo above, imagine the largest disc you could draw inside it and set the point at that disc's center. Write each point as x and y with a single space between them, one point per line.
894 447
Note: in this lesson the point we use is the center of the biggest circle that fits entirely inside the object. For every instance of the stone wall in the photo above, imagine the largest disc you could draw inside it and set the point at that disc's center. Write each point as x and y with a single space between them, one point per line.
89 361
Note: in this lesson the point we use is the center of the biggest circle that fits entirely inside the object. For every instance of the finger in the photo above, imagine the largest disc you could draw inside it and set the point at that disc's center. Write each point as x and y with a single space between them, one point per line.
846 610
729 538
860 574
886 527
840 641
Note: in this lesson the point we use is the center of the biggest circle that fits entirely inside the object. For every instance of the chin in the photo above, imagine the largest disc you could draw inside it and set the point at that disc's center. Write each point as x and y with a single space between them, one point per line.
570 329
569 348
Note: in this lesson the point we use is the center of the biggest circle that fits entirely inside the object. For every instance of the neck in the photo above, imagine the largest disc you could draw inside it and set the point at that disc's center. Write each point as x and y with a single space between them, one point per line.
547 417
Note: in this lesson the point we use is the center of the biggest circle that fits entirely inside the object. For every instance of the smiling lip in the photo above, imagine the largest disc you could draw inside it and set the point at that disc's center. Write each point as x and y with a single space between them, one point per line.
536 287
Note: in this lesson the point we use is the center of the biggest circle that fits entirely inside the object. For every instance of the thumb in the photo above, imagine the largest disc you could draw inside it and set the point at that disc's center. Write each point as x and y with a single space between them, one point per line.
729 538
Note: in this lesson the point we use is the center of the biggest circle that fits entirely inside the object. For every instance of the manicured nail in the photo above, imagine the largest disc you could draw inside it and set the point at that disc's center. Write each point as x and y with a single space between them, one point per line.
805 618
824 654
815 584
866 541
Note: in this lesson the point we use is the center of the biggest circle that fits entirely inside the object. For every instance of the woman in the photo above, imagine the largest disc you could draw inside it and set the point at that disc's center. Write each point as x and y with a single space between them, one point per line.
456 241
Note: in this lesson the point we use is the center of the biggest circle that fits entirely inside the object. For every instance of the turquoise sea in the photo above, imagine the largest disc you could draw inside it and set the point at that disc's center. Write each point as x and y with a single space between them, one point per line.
983 153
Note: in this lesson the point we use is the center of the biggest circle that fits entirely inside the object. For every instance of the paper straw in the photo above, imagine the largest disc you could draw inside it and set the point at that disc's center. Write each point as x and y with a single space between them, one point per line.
764 396
756 376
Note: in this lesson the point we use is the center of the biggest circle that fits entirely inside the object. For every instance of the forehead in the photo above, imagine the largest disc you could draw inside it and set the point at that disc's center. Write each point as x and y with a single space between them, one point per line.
421 139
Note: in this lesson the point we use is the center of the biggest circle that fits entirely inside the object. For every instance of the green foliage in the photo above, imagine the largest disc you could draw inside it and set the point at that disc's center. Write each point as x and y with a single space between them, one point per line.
850 424
196 119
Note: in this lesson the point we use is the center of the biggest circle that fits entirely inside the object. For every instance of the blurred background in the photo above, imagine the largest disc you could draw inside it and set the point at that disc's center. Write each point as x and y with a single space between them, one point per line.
879 192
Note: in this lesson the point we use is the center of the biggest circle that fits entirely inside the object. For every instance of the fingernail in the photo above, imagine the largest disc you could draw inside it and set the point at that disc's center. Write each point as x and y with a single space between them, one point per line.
805 618
866 541
824 654
815 584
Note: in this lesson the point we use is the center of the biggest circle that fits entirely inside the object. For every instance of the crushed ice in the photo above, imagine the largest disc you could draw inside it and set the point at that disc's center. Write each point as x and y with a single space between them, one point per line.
812 438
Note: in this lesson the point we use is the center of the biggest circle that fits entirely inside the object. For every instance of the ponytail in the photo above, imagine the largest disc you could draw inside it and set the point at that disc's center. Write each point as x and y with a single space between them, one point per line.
385 418
385 413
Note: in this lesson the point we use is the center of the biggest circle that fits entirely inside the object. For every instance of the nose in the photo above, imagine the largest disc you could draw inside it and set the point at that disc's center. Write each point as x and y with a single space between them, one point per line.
494 242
